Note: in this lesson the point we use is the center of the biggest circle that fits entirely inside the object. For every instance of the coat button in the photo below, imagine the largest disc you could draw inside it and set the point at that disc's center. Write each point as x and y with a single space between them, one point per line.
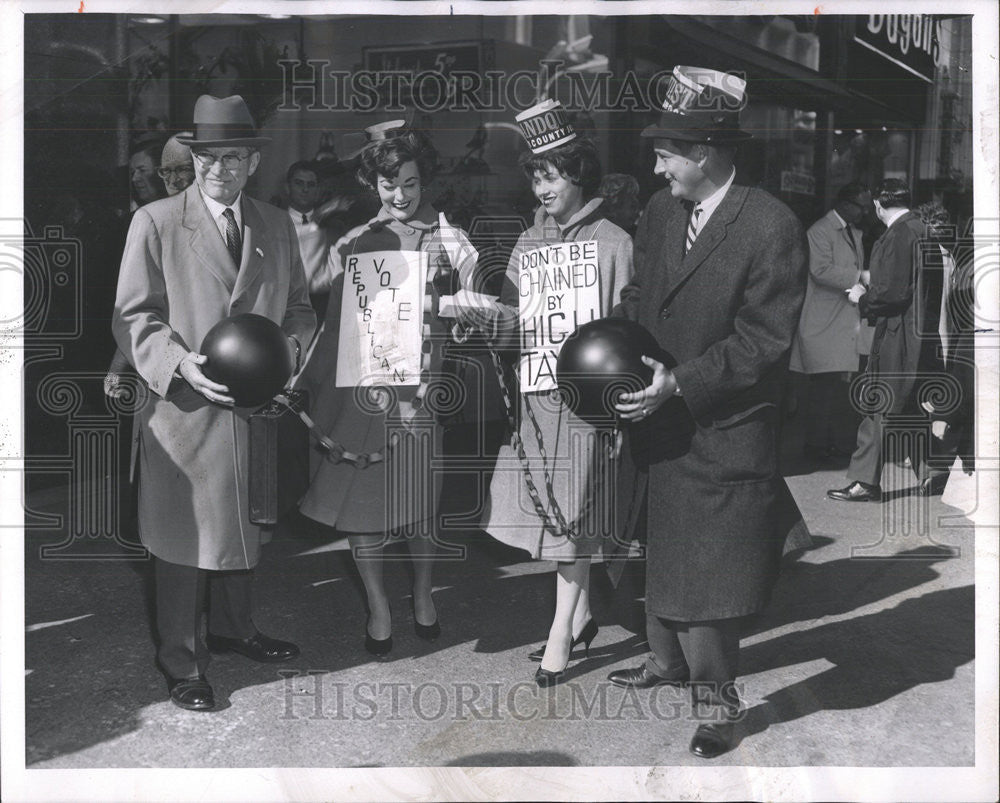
664 314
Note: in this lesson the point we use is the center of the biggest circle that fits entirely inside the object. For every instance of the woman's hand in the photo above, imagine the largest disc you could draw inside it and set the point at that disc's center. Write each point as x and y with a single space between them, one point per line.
643 403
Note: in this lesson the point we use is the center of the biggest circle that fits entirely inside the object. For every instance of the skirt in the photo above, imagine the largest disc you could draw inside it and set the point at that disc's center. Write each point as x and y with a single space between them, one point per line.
581 469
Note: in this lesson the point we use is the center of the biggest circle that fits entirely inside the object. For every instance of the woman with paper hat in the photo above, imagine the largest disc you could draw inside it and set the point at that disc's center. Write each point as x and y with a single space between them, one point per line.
549 490
375 374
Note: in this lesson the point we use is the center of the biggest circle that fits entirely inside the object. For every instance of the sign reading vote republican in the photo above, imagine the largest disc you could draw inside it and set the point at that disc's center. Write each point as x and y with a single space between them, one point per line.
559 287
381 319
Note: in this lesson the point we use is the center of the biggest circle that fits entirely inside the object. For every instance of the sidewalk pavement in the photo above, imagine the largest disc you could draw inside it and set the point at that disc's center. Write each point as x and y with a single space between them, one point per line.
863 658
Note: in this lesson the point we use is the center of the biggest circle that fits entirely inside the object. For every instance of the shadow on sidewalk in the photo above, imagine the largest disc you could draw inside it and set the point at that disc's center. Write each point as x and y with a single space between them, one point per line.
875 657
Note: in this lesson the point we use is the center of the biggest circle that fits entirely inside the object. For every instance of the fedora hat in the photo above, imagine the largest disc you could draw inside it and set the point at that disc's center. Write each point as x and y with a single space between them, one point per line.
223 121
701 105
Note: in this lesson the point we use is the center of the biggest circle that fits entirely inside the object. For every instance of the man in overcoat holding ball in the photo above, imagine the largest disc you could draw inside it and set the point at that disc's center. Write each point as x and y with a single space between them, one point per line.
190 261
720 276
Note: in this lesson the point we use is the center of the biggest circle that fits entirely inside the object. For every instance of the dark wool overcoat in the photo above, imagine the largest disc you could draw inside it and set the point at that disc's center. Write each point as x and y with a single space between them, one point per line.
727 313
904 304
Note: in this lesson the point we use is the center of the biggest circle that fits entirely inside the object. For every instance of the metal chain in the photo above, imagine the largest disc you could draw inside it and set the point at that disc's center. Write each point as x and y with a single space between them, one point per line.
560 528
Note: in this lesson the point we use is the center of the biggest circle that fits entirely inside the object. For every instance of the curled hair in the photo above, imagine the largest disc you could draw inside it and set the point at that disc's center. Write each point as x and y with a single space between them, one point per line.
385 157
933 214
576 160
893 192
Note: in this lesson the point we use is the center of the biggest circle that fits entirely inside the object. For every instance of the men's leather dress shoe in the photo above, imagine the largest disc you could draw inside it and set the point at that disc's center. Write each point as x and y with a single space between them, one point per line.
856 492
642 678
712 739
192 694
258 647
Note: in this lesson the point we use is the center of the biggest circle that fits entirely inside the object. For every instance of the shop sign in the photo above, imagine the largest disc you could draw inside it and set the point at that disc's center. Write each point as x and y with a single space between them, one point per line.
443 58
800 183
912 41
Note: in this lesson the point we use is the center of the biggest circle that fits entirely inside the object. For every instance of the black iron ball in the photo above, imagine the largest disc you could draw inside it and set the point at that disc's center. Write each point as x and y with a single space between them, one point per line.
249 354
600 361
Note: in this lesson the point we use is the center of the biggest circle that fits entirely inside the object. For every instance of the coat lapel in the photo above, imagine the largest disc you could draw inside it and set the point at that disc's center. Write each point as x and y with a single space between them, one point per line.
255 248
709 238
205 240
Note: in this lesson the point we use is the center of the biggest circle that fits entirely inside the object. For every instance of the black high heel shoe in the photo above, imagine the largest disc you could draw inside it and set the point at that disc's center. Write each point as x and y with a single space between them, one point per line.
586 636
426 632
546 678
376 646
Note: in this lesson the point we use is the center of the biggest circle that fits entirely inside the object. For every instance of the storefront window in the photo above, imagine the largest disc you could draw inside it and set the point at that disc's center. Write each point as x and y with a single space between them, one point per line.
781 157
869 156
790 37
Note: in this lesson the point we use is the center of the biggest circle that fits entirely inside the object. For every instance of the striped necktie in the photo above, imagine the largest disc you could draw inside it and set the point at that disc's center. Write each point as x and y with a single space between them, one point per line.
692 232
234 240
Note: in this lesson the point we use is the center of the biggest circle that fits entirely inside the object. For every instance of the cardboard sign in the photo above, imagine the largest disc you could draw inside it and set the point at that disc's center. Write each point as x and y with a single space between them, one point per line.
381 319
559 287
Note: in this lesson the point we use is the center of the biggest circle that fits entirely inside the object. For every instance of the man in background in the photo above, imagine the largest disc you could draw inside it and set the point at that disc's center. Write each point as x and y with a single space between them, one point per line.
302 185
900 340
830 335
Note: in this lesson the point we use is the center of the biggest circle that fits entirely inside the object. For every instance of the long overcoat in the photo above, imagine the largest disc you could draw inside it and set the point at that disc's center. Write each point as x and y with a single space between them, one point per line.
177 280
831 334
727 312
904 305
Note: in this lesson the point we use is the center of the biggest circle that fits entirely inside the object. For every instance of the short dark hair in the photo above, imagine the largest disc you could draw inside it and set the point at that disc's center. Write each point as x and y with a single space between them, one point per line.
152 149
893 192
303 165
851 191
577 161
387 156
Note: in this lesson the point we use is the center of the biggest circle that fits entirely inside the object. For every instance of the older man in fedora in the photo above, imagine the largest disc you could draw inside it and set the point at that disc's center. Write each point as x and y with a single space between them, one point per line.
720 275
191 260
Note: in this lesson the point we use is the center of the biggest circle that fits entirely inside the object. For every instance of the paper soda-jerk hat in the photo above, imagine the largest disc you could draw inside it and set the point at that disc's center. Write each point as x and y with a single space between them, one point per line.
701 105
545 126
223 121
355 143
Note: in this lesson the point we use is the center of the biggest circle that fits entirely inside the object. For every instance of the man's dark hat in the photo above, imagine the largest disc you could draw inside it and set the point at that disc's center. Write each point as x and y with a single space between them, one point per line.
223 121
701 105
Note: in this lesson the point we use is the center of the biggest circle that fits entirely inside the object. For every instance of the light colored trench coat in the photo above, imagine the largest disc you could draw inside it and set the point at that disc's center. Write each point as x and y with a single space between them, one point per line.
177 280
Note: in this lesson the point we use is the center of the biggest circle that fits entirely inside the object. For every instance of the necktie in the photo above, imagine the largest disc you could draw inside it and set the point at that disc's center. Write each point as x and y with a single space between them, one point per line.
692 232
305 220
234 240
849 233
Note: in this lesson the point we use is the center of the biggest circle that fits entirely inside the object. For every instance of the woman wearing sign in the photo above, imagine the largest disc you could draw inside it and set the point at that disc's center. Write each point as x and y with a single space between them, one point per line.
374 375
566 269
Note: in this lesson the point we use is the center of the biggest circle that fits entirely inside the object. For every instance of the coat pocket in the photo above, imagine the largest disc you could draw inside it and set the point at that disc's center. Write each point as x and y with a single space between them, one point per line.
743 447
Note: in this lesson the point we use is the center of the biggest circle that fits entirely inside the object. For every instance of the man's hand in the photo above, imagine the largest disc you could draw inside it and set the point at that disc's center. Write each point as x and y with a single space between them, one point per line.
855 293
939 429
190 369
641 404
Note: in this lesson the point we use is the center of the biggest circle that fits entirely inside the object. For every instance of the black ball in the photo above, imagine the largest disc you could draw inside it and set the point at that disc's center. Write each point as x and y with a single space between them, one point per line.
603 359
249 354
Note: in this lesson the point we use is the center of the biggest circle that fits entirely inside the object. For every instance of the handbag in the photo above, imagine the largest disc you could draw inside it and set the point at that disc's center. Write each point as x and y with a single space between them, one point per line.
278 457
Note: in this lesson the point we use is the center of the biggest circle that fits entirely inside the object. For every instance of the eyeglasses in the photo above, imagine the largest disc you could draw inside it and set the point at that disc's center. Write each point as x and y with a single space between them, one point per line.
230 161
183 170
